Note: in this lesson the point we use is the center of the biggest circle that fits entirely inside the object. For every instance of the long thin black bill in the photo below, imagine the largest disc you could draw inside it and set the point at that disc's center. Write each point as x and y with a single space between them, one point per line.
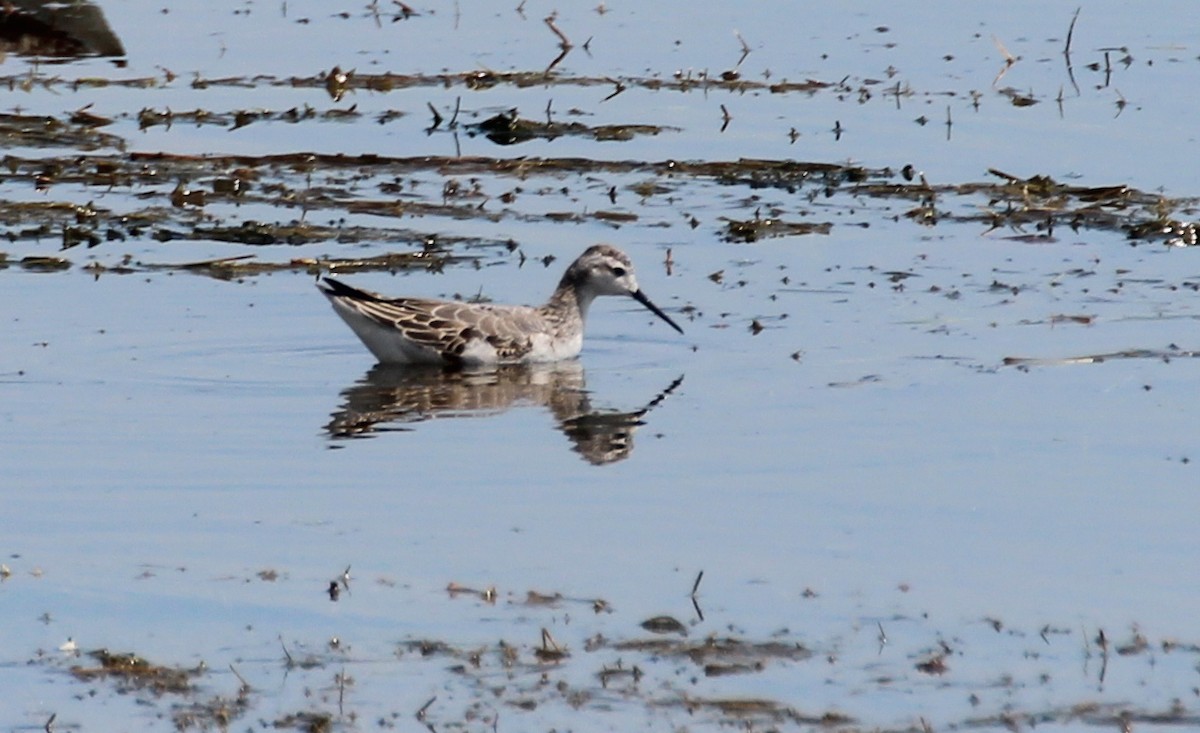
640 297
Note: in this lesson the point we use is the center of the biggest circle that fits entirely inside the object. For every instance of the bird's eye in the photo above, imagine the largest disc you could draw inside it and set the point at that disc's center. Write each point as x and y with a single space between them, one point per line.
619 271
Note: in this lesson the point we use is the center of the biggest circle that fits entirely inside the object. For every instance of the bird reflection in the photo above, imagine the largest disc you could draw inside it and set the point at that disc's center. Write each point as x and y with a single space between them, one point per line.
394 398
61 30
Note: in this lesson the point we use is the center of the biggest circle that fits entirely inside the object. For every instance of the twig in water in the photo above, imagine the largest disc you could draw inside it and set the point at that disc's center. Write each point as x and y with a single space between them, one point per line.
563 41
1102 642
420 715
290 662
745 47
1071 33
245 685
549 651
437 118
205 264
700 576
548 642
1067 51
558 59
341 691
1009 60
620 88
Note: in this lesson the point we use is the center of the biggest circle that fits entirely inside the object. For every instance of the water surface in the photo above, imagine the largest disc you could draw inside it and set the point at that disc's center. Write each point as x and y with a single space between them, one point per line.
837 443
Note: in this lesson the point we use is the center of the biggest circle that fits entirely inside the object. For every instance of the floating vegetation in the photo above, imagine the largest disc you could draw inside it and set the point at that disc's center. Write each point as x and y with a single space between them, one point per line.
77 132
752 230
664 625
306 722
131 672
228 268
1166 355
338 83
148 117
350 187
45 264
612 677
751 711
507 128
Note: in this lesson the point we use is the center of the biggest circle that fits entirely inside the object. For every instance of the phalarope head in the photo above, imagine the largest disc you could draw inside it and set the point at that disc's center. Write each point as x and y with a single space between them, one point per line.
605 270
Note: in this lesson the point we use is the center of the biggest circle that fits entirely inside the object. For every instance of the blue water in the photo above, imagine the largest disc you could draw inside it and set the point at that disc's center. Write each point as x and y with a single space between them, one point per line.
165 434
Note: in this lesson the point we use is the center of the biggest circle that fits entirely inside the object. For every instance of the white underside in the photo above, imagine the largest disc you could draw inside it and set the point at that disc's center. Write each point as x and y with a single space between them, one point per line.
386 344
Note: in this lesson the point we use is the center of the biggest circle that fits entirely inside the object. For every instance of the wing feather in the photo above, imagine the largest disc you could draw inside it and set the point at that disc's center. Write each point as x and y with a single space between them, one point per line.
449 328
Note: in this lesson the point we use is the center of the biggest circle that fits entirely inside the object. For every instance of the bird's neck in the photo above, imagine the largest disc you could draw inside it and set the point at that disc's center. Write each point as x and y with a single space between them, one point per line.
568 299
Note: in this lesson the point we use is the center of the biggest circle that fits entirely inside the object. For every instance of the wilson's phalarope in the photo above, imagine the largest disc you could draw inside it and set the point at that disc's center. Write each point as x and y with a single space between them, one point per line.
420 331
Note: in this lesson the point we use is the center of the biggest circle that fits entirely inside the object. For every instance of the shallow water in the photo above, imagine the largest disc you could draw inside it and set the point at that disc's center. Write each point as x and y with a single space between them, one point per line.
860 475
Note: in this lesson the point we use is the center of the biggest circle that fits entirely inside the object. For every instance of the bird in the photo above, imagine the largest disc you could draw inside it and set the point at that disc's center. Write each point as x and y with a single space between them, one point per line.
456 334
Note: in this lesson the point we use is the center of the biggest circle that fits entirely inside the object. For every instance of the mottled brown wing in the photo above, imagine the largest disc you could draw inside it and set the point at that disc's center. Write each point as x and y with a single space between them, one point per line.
446 327
507 329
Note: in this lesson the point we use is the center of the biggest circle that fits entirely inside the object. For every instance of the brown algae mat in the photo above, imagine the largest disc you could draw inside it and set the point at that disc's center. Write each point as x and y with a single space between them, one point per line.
666 669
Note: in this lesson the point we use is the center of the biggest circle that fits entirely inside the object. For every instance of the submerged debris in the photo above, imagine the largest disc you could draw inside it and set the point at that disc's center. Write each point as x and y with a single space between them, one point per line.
305 722
662 673
752 230
375 186
507 128
664 625
45 264
131 672
1173 352
77 132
